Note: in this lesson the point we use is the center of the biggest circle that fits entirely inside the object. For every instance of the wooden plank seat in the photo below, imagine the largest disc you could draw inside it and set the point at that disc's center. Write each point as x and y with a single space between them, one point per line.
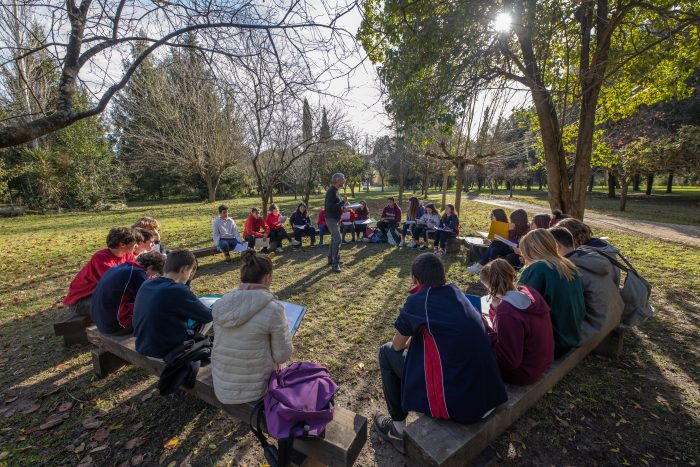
72 328
444 443
204 252
343 439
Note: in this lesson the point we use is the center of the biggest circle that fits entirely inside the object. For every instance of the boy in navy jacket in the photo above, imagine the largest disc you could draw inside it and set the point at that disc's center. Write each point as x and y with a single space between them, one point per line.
440 361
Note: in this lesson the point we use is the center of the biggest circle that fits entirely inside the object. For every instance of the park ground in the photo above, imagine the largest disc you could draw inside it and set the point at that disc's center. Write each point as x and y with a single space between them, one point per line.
642 409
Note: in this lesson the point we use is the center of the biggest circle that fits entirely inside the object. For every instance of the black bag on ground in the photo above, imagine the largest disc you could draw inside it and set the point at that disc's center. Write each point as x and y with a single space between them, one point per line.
183 362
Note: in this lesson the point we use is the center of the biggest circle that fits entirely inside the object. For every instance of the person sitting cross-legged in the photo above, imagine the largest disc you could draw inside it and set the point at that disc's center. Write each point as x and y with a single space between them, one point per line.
225 233
254 228
440 361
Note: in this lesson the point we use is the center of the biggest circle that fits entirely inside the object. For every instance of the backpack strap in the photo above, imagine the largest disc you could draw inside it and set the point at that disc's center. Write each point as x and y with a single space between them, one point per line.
270 451
615 262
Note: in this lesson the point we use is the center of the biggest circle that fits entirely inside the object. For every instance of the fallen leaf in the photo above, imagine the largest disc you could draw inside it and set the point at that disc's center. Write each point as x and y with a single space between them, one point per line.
65 406
99 449
134 443
145 397
86 462
80 448
8 411
116 426
53 420
91 423
163 457
31 409
5 454
136 426
172 464
137 459
615 450
172 442
212 446
10 399
101 434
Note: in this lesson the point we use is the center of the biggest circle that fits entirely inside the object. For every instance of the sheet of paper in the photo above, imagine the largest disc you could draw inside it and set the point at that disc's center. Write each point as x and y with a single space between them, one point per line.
474 240
353 206
240 247
409 222
366 221
262 243
294 313
282 219
484 234
300 227
506 241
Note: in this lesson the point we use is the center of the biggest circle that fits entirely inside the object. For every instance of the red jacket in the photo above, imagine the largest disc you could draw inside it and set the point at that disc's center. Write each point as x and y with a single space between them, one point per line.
254 226
273 221
87 278
522 336
321 217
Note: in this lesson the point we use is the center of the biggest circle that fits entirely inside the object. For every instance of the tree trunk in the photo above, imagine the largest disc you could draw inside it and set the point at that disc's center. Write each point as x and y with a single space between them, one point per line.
510 186
445 184
611 184
528 185
352 189
591 182
669 183
402 178
624 183
636 181
458 186
211 188
650 183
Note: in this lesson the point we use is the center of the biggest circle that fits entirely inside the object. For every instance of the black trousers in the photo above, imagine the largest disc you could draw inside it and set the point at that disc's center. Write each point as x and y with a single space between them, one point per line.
391 365
279 235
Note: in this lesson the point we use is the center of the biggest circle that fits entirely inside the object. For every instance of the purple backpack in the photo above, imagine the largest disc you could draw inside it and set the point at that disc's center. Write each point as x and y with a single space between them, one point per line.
299 401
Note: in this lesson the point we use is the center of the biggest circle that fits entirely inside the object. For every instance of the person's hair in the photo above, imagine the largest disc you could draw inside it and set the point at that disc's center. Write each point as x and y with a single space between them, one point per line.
305 210
452 208
363 204
152 259
222 208
413 207
272 207
500 215
145 234
519 218
428 270
540 245
541 221
581 232
498 276
138 236
435 210
562 236
255 210
255 267
147 223
178 259
391 198
120 236
336 176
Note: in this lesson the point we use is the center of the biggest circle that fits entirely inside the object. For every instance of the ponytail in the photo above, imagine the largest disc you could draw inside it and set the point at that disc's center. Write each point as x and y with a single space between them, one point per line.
255 267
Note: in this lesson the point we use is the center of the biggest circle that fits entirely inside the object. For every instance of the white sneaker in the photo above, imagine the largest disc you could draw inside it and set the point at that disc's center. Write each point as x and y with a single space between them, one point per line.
412 245
402 243
295 243
475 268
279 250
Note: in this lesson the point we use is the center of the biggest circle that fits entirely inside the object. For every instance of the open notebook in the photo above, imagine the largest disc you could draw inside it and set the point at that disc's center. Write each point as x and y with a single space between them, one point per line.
295 313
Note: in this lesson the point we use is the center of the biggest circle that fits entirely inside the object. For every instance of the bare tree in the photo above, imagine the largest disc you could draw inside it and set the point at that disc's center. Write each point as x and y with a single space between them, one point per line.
88 39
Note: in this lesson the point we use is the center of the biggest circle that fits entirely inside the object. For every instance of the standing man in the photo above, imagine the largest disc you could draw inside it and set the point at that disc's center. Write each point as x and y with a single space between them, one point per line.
225 233
333 212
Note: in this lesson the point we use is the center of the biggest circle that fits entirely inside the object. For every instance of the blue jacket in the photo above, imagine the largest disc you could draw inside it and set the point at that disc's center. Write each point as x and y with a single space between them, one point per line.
116 290
161 312
300 219
450 369
451 222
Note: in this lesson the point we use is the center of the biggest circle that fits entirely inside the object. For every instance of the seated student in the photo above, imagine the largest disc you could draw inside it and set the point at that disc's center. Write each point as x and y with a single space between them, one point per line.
391 216
144 241
322 228
521 327
601 294
120 246
225 233
540 221
584 240
277 231
477 252
164 306
557 216
301 223
153 226
361 214
347 223
252 335
519 226
415 212
448 371
113 298
448 228
255 227
426 226
558 281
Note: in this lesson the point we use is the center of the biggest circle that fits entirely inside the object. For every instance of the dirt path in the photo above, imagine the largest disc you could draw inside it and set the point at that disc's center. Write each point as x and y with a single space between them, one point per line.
678 233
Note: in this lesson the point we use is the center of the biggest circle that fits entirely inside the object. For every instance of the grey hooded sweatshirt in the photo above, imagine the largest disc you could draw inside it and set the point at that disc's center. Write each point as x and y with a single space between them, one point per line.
604 303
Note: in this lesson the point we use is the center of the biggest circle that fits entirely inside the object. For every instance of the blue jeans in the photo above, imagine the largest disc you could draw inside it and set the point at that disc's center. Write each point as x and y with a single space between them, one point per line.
310 231
322 230
409 228
226 245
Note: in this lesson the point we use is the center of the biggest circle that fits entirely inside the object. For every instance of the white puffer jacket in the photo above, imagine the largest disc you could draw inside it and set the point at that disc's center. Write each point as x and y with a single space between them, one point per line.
251 335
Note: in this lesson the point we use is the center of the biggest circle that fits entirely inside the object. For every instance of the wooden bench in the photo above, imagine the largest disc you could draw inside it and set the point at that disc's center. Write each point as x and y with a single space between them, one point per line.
204 252
343 439
72 328
444 443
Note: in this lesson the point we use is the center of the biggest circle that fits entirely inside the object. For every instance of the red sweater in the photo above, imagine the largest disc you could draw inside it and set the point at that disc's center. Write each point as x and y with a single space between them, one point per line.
273 221
255 227
87 278
522 338
348 216
321 217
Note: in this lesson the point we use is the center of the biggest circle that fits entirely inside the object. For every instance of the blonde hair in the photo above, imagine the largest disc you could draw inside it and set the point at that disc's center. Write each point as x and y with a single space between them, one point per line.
499 277
540 245
147 223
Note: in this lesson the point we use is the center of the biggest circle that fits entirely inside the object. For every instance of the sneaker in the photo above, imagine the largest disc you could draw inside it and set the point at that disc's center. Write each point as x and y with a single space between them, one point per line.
475 268
295 242
279 250
413 245
386 430
402 243
336 269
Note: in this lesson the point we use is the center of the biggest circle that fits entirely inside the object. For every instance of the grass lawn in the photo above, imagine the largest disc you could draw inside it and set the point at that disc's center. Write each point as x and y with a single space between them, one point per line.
680 207
641 409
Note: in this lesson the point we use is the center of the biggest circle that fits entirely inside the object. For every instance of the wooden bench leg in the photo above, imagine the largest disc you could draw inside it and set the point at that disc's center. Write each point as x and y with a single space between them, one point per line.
611 346
105 363
72 328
